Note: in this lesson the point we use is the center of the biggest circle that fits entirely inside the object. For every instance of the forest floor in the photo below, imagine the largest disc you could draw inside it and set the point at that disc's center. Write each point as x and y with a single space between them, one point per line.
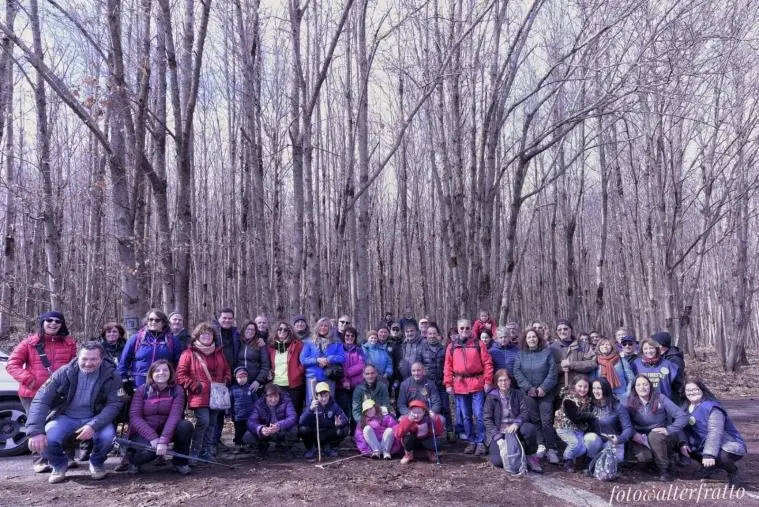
355 480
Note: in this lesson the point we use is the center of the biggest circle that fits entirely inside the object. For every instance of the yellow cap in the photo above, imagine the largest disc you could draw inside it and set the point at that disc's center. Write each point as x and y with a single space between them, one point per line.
321 387
367 404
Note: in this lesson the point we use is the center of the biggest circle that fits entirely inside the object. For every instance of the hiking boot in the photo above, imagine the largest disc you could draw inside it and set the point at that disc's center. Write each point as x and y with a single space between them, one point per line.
480 450
431 456
665 477
553 457
569 466
58 475
706 473
97 472
42 468
407 458
470 448
533 462
123 465
183 469
133 469
375 455
541 452
310 453
733 479
263 451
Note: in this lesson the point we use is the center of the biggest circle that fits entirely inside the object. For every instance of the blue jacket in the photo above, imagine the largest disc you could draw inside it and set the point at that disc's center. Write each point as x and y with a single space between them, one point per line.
624 374
377 355
613 419
334 353
662 375
707 436
263 415
504 357
667 415
142 350
424 390
327 416
536 369
243 399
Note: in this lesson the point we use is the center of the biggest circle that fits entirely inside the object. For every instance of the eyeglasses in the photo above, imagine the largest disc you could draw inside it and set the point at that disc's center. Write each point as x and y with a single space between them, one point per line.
344 321
156 319
282 329
562 329
54 321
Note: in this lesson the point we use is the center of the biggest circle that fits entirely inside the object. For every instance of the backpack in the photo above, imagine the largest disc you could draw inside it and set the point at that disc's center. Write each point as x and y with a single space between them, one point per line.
512 454
604 466
475 345
167 339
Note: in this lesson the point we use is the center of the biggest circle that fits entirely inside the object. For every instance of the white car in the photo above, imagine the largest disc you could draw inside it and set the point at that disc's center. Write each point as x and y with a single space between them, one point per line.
12 415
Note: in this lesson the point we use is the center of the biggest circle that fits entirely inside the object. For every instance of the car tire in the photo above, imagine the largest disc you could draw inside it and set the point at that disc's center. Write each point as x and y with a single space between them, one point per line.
13 439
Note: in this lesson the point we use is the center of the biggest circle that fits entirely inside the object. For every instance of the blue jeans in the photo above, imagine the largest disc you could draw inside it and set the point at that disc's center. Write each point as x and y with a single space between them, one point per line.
205 428
579 443
471 405
63 427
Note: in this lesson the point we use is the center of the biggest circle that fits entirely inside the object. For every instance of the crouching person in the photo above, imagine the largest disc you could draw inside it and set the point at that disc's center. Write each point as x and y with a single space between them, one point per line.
156 419
273 420
419 430
81 399
506 412
374 432
333 424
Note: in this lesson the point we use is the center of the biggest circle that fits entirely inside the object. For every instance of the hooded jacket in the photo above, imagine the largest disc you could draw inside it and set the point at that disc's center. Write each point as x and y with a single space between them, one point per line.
25 365
58 393
263 415
253 358
143 349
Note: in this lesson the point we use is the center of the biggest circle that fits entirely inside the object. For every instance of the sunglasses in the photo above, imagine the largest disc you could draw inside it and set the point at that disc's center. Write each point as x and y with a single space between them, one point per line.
628 344
54 321
151 319
282 329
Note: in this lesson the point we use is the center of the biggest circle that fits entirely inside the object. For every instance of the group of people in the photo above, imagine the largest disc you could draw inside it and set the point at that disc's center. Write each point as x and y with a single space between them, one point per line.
389 389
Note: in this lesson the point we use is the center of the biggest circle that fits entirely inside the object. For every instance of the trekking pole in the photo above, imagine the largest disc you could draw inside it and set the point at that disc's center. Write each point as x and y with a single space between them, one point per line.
434 437
312 381
125 443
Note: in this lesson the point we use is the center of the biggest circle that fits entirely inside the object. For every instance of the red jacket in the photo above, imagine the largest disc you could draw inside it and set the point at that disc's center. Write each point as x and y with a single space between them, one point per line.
479 327
192 376
295 370
467 367
25 364
420 429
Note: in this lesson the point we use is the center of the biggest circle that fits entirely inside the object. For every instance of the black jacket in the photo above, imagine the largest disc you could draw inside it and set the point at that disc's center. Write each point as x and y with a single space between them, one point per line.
57 393
493 412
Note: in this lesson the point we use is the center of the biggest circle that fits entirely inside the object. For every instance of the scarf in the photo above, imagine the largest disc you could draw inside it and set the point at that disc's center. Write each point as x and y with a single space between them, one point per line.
607 363
282 346
652 361
205 349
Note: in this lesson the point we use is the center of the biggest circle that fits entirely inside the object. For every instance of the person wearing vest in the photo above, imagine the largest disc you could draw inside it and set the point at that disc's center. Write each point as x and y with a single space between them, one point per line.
36 358
663 373
710 435
468 374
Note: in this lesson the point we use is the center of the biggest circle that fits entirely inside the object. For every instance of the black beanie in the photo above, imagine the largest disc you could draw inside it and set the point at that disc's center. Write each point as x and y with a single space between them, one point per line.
63 331
663 338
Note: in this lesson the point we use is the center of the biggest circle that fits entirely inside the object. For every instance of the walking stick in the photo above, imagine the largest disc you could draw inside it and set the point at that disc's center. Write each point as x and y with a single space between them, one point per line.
123 442
312 381
434 437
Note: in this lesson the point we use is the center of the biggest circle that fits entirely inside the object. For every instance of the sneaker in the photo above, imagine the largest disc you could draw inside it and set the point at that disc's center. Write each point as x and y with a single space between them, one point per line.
42 468
431 456
386 455
480 450
541 451
375 455
97 472
553 457
310 453
533 462
470 448
183 469
133 469
407 458
58 475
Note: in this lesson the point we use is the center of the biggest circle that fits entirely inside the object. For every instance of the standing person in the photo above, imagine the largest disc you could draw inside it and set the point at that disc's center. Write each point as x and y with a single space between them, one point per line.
323 358
251 355
418 430
629 347
176 324
505 348
614 368
287 372
300 328
374 433
663 373
535 371
407 352
333 423
376 354
199 366
156 419
484 324
370 389
81 399
674 356
353 368
228 340
711 436
656 421
113 339
337 333
273 420
35 359
262 327
432 357
243 398
424 324
152 342
573 422
573 356
506 412
468 374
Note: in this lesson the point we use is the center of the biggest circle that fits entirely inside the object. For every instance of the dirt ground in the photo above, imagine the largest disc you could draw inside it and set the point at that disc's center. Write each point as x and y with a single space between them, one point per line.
355 480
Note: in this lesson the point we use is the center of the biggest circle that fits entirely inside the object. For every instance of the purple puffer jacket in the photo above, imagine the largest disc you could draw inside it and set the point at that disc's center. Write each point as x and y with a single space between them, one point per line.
263 415
155 414
354 365
379 426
